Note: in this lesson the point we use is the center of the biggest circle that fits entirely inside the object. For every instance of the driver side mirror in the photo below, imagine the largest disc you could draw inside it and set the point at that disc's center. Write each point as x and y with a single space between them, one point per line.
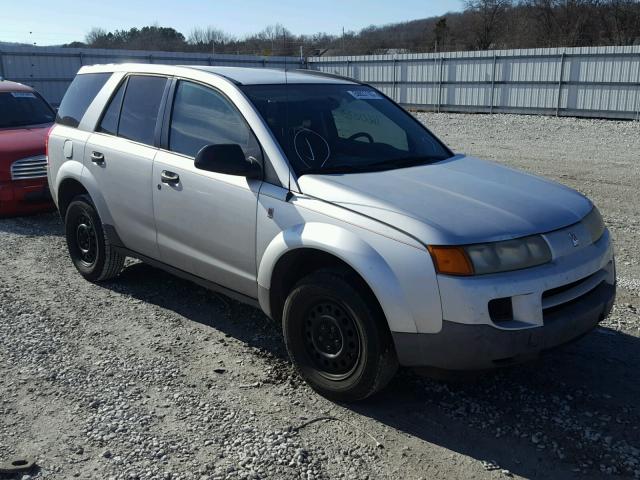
229 159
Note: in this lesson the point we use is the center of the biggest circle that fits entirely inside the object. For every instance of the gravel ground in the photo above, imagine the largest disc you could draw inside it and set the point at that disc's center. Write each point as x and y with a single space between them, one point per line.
150 376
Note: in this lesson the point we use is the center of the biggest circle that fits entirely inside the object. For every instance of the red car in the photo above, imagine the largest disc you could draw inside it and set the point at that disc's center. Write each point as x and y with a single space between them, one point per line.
25 120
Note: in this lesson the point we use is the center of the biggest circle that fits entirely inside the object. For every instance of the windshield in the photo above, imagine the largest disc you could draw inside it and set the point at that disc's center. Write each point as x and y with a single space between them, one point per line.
343 128
19 109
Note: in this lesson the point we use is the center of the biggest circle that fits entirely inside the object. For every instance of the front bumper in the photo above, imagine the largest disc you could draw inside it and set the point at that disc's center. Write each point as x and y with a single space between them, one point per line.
25 197
475 347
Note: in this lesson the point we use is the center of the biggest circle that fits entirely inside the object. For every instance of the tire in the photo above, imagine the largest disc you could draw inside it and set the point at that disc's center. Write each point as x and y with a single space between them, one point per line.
90 250
337 336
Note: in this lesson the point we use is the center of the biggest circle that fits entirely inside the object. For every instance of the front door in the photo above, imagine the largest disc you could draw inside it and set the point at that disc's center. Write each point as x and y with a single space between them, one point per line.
206 222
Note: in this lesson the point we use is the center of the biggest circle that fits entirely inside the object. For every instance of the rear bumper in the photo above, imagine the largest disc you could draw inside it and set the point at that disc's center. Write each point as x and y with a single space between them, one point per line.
24 197
475 347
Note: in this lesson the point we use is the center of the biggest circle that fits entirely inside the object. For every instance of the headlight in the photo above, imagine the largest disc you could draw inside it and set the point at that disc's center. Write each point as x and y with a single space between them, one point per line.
493 257
594 224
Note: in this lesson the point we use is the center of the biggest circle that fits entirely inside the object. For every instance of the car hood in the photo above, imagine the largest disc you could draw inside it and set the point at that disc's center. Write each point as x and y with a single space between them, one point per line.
457 201
16 143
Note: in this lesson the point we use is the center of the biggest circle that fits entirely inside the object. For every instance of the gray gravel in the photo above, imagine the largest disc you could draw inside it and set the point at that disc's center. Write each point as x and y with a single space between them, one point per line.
150 376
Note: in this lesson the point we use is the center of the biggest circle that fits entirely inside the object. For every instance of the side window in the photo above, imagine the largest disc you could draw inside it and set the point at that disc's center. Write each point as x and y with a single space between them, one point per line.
109 123
140 108
79 96
201 116
358 116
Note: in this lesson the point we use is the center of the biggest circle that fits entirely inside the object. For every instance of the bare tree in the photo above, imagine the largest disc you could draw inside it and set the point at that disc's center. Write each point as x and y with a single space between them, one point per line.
441 31
622 21
209 38
488 16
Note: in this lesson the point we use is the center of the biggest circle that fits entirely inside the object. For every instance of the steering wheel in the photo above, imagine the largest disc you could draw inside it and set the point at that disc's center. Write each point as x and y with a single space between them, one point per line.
362 134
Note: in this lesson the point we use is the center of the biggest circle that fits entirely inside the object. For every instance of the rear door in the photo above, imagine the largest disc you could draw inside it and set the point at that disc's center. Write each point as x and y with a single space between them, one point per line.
206 221
67 141
120 153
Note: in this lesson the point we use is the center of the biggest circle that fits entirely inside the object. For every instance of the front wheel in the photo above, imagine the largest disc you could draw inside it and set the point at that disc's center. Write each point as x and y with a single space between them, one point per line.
90 250
337 337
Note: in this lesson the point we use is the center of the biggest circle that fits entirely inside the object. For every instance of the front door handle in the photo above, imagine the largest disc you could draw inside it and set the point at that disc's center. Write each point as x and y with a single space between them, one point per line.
170 178
97 158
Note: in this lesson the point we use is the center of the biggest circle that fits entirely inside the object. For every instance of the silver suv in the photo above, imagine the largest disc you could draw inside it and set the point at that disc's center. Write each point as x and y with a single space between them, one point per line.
335 211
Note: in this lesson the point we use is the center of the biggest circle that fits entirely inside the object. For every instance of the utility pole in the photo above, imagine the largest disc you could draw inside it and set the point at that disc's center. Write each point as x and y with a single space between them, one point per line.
343 40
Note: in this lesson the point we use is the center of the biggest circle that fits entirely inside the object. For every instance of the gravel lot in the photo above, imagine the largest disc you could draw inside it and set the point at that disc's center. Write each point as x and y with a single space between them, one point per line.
150 376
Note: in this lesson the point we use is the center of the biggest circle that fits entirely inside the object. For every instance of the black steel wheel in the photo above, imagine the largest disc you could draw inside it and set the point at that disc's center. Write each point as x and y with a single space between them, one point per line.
86 240
337 337
332 339
89 249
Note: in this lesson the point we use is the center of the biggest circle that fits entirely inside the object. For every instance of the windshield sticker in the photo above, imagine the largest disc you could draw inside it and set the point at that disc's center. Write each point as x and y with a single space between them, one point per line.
365 94
23 95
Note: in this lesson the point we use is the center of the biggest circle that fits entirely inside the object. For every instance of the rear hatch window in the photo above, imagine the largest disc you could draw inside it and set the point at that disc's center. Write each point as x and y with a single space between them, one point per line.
21 109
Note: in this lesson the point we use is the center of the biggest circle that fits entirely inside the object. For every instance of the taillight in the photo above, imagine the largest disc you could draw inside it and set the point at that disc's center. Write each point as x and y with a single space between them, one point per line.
46 143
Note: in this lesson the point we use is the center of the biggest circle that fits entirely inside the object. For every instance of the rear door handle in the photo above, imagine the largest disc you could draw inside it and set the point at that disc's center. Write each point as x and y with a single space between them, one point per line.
170 178
97 158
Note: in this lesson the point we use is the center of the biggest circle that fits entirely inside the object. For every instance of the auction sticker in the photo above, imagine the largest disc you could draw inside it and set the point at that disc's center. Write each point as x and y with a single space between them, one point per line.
23 95
365 94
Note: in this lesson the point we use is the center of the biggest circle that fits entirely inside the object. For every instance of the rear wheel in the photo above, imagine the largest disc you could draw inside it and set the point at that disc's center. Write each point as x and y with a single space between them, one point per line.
337 337
90 250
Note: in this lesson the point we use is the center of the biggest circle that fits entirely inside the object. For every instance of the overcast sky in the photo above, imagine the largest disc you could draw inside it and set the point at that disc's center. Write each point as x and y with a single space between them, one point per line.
51 22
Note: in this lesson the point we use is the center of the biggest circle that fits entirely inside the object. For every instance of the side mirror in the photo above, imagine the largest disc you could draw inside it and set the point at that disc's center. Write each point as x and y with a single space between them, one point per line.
229 159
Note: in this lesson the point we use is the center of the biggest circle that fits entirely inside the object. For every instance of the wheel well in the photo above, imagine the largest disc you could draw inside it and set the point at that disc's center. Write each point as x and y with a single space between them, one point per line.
297 264
68 190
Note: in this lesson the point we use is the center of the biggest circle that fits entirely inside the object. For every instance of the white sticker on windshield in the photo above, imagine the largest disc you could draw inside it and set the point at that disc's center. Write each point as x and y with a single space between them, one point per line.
365 94
23 95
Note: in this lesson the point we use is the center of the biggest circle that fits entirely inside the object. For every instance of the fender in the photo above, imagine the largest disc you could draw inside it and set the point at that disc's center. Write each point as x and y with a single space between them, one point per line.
351 249
77 171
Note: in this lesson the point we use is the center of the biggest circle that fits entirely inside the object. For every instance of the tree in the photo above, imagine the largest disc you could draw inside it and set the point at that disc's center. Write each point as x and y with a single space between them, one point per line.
441 32
209 38
488 17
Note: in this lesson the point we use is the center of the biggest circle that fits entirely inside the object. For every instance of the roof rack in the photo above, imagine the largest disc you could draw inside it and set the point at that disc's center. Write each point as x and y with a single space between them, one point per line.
329 75
205 69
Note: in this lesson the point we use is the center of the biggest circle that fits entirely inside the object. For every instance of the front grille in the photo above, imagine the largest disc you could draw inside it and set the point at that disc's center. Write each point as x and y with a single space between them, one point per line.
564 288
28 168
558 298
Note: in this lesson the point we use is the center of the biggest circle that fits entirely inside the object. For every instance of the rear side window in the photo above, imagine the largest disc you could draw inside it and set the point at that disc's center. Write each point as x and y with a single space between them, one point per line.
140 108
109 123
79 96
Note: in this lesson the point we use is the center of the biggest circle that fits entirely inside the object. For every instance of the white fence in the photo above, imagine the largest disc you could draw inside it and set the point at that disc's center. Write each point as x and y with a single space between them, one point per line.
50 70
589 82
601 82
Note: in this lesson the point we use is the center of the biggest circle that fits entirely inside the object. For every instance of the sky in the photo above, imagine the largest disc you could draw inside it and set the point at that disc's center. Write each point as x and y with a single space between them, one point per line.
53 22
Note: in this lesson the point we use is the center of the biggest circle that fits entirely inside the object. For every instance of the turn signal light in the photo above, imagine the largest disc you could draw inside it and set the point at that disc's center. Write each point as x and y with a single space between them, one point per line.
451 260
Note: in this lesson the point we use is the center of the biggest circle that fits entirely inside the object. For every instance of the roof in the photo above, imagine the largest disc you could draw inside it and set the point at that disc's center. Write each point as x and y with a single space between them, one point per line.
7 86
262 76
237 75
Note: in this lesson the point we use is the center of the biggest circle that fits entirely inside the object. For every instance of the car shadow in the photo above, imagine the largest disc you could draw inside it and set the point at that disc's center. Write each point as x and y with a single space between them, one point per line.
575 409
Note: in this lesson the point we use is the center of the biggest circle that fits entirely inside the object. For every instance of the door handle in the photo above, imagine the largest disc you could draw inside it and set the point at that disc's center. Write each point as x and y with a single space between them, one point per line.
97 158
170 178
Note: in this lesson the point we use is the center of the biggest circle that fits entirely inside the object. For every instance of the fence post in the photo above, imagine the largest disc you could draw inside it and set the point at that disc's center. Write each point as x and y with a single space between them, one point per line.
395 98
493 82
637 90
560 85
1 65
440 82
81 58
